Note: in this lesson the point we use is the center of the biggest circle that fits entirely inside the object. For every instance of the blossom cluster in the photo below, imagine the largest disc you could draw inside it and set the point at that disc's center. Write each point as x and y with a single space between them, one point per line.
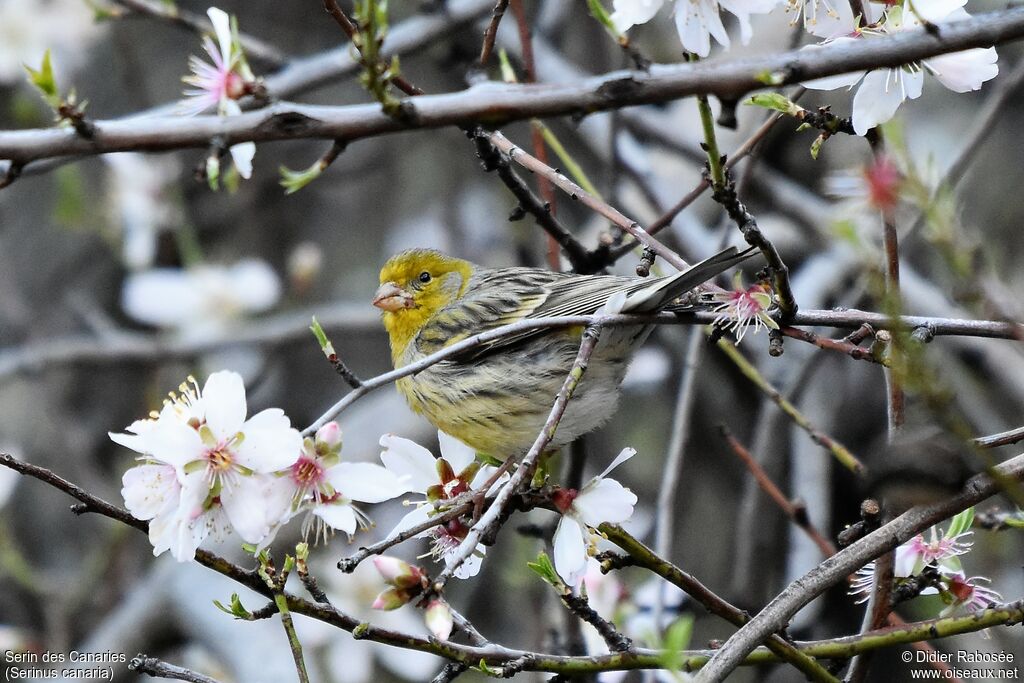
206 469
939 554
880 91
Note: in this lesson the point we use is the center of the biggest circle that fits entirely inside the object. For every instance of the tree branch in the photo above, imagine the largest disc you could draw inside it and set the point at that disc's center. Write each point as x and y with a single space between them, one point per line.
728 79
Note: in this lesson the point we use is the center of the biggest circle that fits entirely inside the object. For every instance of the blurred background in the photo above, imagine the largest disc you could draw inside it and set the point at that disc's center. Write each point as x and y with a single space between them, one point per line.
122 275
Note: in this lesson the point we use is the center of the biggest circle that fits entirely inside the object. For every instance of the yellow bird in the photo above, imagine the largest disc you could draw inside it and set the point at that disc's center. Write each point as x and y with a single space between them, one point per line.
496 397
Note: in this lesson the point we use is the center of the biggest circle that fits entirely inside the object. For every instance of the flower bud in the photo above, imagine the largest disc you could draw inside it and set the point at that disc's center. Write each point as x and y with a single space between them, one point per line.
392 598
391 568
329 435
438 618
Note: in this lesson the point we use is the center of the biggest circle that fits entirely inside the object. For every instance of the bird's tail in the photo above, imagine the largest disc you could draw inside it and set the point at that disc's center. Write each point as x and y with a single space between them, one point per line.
667 289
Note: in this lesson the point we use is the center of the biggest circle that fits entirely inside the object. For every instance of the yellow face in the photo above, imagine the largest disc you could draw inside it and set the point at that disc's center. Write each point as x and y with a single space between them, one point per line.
415 285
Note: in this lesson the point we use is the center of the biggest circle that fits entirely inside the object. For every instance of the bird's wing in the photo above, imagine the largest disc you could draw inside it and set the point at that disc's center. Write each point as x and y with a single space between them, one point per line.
502 296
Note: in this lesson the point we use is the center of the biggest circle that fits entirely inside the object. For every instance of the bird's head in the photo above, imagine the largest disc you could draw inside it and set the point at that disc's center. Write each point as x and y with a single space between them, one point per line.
414 286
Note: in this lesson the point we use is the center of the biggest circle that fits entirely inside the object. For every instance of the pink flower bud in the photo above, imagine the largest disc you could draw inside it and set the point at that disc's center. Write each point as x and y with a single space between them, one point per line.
392 598
329 435
392 569
438 617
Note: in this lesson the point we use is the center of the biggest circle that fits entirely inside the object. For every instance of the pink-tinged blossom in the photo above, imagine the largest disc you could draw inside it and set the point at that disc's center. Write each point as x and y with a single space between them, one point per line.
456 472
697 21
221 84
405 581
881 91
742 307
600 500
969 594
318 481
221 461
942 552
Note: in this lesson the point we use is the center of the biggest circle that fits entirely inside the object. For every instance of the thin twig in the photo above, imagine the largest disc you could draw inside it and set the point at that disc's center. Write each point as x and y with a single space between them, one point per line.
645 557
1001 439
836 568
577 193
151 666
796 513
582 261
745 221
349 564
535 661
486 526
681 421
838 450
491 32
578 604
840 345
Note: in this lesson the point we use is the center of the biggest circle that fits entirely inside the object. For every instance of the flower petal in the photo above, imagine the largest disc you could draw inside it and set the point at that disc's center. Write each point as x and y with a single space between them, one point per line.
415 517
410 461
243 503
627 13
222 29
162 297
270 442
255 285
624 455
879 96
967 70
570 550
607 501
471 566
242 155
338 515
176 444
150 490
459 455
224 399
365 482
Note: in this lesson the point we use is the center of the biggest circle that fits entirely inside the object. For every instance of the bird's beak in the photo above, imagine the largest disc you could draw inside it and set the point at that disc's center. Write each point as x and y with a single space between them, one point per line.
391 297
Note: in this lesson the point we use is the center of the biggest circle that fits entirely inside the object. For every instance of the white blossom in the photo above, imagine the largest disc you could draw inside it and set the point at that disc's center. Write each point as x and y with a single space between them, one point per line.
457 471
600 500
881 91
221 464
202 298
697 21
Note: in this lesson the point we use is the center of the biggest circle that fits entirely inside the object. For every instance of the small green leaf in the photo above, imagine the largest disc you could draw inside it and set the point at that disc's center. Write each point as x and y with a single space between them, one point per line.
846 230
960 523
770 77
816 146
545 570
598 11
236 610
677 639
213 171
44 81
508 74
293 181
494 673
775 101
321 337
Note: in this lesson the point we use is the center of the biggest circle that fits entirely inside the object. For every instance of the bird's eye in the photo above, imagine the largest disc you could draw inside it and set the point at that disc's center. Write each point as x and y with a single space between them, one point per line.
424 277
